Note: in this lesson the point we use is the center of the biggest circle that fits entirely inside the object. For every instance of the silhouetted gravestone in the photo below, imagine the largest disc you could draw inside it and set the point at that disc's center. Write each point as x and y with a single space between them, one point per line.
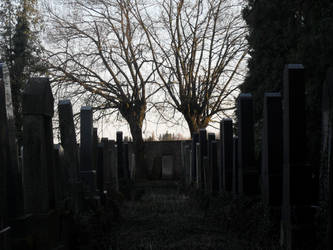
199 166
114 168
157 168
119 141
14 177
87 173
205 164
167 167
100 170
61 176
215 178
187 165
94 148
126 162
195 140
235 166
38 169
227 153
71 150
107 168
297 214
327 151
209 171
203 153
248 172
3 167
272 155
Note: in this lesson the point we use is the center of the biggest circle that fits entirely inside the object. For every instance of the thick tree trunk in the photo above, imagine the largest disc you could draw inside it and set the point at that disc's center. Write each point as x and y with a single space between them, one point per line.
139 151
195 123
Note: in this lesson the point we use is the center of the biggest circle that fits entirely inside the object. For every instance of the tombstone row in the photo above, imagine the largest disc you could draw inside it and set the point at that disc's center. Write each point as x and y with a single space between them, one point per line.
284 180
51 179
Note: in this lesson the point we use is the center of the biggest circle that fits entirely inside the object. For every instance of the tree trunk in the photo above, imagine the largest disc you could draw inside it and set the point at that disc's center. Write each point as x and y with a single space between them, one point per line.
139 151
195 123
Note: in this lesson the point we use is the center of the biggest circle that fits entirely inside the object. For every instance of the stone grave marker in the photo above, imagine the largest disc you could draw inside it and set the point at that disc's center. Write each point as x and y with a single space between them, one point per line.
248 183
38 141
209 171
167 167
215 177
272 155
198 159
297 231
87 173
227 154
157 168
203 153
235 176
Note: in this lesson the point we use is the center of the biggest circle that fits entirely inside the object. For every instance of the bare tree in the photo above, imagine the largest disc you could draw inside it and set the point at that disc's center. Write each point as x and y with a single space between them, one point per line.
198 48
97 52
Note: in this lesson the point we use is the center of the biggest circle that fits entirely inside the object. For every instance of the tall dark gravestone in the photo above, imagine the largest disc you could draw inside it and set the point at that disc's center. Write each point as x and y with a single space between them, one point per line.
203 153
100 170
195 140
227 153
119 141
14 177
297 214
38 172
199 181
209 171
95 146
272 154
215 178
248 172
71 150
235 166
87 173
3 166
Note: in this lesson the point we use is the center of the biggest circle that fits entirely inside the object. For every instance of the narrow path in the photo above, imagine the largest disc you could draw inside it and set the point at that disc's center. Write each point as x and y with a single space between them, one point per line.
165 218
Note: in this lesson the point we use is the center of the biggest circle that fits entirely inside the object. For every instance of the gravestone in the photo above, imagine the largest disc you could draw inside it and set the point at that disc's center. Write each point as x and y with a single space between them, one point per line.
272 155
199 179
107 168
227 154
235 166
215 178
71 150
3 167
61 177
95 148
14 182
248 172
119 141
297 213
114 168
38 169
195 140
100 170
87 173
205 165
326 178
209 171
167 167
203 153
132 169
126 162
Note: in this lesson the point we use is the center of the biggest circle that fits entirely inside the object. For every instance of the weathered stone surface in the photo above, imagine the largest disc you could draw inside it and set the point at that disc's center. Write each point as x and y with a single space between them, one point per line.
297 214
37 97
167 167
235 165
94 148
214 169
38 171
60 176
248 183
119 141
227 154
87 174
114 168
272 156
100 170
209 171
68 139
199 166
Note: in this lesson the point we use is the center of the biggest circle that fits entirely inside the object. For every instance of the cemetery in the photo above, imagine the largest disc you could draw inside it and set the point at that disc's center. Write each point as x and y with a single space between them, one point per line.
47 188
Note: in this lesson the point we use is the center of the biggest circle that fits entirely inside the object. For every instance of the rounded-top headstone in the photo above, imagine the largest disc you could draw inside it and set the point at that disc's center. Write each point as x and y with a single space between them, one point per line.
38 98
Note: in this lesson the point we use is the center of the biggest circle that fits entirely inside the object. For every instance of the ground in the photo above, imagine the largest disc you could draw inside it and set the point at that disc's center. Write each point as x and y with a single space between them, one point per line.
166 217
